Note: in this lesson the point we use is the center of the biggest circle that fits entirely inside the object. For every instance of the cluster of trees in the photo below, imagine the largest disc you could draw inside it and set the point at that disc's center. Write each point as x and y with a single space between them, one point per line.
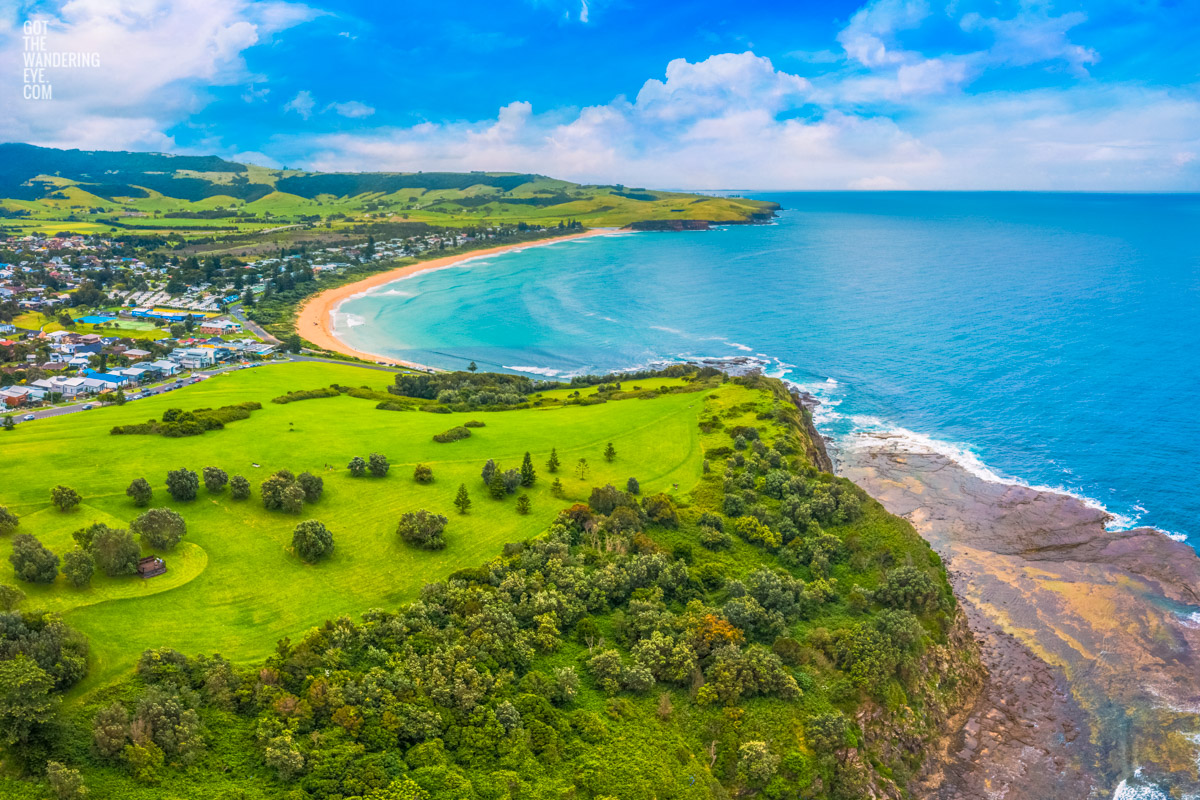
176 422
463 391
286 491
501 483
377 464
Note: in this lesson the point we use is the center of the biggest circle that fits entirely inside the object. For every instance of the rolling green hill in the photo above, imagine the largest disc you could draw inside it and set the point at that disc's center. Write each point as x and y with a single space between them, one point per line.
46 190
734 624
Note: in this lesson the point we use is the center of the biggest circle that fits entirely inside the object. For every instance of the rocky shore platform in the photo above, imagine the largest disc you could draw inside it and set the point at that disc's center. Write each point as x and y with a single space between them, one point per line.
1091 637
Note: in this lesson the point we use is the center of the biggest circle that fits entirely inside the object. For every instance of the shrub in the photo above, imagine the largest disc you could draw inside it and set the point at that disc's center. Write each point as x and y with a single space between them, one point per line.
215 479
8 521
10 597
110 729
313 486
756 764
311 541
31 561
632 486
452 435
273 488
423 473
661 510
239 487
183 484
305 394
67 783
115 550
79 566
523 504
474 423
423 529
714 539
378 464
292 500
141 491
160 528
64 497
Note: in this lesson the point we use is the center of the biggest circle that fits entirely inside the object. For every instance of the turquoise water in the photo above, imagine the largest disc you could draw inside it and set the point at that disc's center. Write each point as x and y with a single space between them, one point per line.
1049 338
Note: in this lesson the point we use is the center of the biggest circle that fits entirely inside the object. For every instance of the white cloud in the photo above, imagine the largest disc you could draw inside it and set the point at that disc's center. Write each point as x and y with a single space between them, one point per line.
583 11
156 57
302 104
1033 36
352 109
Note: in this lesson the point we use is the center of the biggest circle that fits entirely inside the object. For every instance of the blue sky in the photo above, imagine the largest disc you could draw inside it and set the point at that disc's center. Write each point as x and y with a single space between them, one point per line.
959 94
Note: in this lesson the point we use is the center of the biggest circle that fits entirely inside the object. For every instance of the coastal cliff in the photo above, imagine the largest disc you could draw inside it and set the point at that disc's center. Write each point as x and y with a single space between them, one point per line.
1090 636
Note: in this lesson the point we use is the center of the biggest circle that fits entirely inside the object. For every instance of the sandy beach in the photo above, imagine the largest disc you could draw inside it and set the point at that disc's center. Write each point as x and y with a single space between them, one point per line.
314 321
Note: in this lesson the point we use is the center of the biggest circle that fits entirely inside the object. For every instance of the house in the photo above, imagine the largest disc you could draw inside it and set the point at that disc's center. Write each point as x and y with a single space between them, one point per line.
165 367
194 357
14 396
134 354
151 566
111 380
136 374
7 328
219 327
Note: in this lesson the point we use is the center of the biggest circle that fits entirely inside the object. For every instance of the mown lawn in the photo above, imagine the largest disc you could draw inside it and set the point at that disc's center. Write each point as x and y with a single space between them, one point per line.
234 587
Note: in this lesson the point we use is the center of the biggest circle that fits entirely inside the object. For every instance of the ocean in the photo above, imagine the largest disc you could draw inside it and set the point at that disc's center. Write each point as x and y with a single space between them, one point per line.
1044 338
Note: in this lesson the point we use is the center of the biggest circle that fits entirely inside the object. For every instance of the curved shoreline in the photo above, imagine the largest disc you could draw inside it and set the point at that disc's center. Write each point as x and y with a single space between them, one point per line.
314 320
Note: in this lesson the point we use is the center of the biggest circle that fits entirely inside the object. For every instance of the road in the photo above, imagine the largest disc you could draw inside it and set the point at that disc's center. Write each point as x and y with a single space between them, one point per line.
237 313
74 408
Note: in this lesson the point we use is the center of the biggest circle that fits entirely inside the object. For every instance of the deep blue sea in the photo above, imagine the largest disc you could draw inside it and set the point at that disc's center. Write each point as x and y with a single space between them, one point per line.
1049 338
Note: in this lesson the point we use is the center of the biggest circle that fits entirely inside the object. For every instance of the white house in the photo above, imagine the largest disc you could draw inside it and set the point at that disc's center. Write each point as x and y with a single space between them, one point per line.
166 367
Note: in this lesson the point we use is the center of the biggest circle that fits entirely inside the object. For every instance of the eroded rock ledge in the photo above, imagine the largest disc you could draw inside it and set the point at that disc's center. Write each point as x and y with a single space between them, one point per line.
1087 634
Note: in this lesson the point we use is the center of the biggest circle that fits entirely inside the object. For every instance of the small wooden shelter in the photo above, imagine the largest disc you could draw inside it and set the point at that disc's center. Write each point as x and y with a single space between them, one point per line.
150 566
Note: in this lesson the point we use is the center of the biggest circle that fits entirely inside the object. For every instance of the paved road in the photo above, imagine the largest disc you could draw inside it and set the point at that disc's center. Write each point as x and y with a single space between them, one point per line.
74 408
239 314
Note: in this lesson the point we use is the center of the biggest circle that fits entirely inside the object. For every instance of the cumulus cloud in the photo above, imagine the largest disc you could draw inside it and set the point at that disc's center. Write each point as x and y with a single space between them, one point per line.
352 109
302 104
156 58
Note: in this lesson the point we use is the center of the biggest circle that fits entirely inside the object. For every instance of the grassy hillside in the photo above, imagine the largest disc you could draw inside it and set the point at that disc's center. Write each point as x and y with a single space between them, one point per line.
244 590
45 190
743 625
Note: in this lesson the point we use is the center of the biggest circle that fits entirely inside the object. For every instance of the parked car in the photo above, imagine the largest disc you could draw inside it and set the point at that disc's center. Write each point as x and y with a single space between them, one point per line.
29 417
87 406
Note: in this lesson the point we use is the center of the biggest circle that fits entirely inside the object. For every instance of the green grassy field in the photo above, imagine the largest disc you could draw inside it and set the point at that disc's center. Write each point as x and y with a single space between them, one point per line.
234 587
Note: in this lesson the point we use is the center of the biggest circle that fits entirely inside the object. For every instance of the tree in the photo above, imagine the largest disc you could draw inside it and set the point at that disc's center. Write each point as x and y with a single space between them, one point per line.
311 540
827 732
528 474
496 486
115 550
141 491
64 497
552 464
79 566
610 452
293 343
472 367
25 700
378 464
357 467
215 479
239 487
9 423
423 473
423 529
110 729
31 561
462 500
511 479
119 398
67 783
523 504
272 489
182 484
160 528
756 764
632 486
8 521
293 499
581 469
313 486
10 597
489 472
661 509
556 488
